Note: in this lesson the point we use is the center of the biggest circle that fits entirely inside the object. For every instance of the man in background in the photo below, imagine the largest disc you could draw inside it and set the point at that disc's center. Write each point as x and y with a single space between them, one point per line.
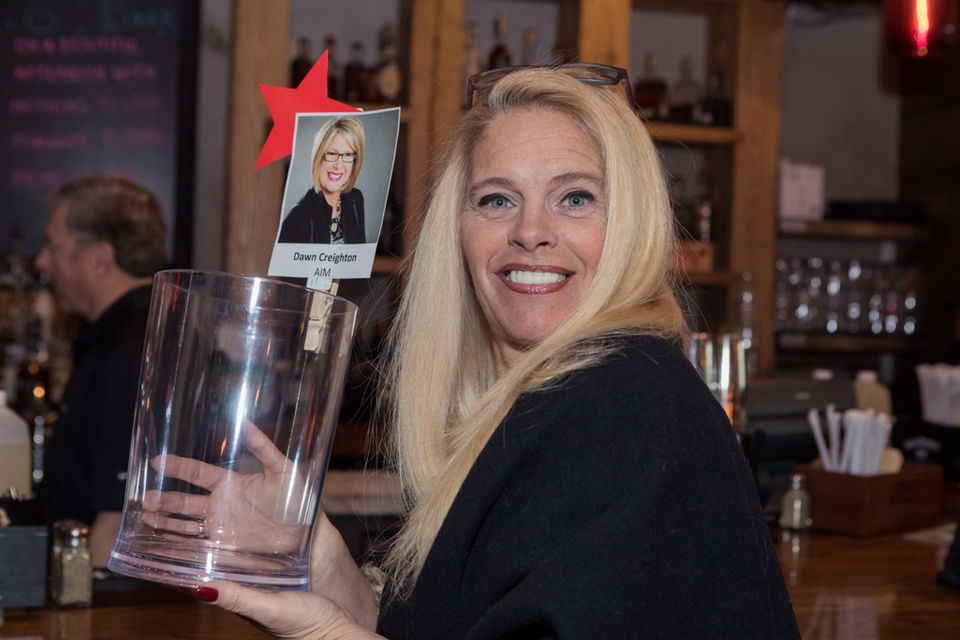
104 240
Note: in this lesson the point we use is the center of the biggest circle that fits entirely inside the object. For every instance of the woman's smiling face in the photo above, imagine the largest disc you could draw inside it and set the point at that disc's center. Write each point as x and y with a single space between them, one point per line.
534 225
333 175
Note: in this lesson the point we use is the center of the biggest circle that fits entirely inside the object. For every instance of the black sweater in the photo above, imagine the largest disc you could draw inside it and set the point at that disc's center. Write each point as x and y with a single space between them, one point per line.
309 220
616 504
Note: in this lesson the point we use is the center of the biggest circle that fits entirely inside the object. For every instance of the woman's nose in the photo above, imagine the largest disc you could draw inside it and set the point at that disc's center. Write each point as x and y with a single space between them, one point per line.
533 227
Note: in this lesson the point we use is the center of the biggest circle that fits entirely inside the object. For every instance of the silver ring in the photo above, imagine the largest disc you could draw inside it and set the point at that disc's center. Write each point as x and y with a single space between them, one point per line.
202 529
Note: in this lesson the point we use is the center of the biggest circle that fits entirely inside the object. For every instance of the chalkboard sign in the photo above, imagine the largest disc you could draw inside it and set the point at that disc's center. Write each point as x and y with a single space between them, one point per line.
96 86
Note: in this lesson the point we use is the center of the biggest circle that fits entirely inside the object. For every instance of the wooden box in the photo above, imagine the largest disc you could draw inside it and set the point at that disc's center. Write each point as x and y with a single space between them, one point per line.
870 505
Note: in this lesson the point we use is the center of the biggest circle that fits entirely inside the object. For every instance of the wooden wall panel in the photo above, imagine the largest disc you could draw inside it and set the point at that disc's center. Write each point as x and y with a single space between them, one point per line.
435 96
757 99
604 33
254 197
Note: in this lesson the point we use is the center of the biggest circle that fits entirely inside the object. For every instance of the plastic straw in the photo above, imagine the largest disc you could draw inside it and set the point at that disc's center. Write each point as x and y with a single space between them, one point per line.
814 419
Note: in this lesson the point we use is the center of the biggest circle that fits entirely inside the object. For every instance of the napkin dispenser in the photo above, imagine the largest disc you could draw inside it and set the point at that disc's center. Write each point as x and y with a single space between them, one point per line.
776 411
23 566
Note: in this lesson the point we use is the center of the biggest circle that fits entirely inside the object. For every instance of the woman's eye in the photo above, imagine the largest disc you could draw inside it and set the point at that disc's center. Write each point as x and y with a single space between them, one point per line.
494 201
578 198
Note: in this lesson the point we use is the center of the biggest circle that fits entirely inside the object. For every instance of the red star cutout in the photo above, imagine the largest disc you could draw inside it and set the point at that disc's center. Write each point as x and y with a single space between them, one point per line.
284 103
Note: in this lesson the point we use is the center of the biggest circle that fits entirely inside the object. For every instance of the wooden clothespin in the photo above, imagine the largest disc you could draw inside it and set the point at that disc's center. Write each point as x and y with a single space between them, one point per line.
319 310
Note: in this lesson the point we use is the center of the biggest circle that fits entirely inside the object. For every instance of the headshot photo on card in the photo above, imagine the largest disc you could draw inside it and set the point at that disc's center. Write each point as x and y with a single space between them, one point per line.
335 195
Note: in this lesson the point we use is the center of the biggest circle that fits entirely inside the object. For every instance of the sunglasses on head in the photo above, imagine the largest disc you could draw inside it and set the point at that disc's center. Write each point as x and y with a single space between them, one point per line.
480 84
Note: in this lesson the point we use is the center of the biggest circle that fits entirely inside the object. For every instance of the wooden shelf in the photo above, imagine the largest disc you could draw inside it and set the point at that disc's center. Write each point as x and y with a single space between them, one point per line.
356 440
854 229
713 279
387 264
672 132
846 343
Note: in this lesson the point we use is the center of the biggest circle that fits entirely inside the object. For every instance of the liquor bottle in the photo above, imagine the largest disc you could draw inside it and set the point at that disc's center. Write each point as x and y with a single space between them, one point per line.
909 306
500 55
748 322
682 207
529 46
855 312
650 90
471 57
16 278
781 296
388 79
703 214
716 108
685 94
835 292
390 241
301 63
355 75
34 402
334 69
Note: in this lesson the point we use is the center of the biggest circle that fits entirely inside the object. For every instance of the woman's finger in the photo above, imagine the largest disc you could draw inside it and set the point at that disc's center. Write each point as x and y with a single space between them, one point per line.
187 504
263 449
174 525
198 473
285 614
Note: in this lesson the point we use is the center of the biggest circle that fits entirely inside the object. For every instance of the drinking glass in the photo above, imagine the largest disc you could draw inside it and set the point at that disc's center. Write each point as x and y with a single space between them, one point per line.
700 352
240 388
731 377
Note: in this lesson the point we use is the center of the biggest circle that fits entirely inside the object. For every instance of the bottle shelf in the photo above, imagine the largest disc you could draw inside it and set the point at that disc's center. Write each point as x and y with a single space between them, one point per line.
854 230
386 265
846 343
713 279
673 132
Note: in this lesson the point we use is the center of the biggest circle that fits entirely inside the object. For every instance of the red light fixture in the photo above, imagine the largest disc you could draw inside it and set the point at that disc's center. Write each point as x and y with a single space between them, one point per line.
920 28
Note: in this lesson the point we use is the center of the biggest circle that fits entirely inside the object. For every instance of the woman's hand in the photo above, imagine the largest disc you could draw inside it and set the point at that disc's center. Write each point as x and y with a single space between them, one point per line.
247 511
292 615
341 604
241 511
335 576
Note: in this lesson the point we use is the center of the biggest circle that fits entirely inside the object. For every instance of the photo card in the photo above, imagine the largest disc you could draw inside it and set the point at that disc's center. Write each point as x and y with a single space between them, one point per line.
335 195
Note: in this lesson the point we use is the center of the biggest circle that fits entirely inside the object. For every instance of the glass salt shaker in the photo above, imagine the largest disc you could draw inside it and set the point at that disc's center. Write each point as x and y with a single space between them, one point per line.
795 505
72 569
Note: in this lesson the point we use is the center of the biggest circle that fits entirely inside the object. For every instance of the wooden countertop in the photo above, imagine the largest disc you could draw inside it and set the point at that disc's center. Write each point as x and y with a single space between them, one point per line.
136 609
843 588
874 588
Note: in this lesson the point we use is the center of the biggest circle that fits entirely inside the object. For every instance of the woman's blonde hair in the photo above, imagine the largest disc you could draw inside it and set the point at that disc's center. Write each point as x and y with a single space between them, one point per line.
444 398
349 128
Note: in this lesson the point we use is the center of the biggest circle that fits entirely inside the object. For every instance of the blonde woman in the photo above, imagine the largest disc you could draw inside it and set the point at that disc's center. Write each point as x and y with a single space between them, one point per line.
569 474
331 211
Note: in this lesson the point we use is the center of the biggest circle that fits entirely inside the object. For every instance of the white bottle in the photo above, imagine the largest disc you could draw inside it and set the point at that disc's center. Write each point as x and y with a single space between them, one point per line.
14 452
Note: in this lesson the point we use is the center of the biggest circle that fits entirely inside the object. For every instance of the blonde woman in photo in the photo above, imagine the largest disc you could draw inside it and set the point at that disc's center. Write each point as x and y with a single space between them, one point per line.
331 211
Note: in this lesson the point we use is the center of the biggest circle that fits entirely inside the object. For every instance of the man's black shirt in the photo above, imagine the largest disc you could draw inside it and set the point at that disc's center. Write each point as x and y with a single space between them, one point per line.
86 465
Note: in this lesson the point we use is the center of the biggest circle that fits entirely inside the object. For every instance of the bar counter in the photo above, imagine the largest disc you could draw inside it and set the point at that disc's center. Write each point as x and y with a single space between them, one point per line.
843 588
873 588
135 609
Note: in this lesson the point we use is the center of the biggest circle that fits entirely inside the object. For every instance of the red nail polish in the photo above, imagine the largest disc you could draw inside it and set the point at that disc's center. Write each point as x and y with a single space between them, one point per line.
206 594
